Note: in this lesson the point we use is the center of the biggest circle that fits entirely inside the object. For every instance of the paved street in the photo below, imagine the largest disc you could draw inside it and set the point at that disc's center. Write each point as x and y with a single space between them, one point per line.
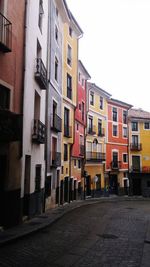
102 234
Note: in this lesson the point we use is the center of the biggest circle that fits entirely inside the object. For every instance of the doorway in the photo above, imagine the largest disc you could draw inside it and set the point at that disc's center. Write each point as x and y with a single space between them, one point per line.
113 184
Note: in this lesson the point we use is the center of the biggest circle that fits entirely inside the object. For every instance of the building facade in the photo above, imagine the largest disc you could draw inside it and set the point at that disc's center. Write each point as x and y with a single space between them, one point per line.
11 94
96 134
72 33
78 148
139 152
35 86
117 147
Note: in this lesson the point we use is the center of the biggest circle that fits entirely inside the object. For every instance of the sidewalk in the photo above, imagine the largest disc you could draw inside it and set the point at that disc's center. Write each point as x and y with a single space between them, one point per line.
51 216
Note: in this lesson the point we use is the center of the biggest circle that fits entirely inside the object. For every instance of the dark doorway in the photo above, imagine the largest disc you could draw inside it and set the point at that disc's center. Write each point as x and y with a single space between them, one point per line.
88 185
113 184
136 185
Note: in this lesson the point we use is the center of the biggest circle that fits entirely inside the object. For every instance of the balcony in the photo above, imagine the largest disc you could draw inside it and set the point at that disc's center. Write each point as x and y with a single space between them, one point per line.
56 159
101 132
91 130
115 165
82 150
56 123
41 74
135 169
10 126
67 131
95 157
5 34
135 147
39 132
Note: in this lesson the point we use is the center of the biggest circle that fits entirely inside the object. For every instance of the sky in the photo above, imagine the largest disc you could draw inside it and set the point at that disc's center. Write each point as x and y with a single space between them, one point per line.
115 47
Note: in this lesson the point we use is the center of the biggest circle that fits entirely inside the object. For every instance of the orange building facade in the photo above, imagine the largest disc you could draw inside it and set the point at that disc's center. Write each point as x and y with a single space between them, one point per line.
116 175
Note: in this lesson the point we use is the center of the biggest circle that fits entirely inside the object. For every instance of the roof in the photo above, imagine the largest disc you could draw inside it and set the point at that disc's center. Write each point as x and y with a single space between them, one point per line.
119 102
138 114
84 69
94 86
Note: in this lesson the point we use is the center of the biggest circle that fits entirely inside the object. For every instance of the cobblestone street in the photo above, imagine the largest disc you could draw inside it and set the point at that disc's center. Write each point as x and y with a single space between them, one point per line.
115 233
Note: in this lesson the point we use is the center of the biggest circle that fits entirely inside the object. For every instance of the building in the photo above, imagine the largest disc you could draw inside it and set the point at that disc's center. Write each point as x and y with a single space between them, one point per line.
35 86
72 33
96 134
59 15
117 147
139 152
11 95
78 148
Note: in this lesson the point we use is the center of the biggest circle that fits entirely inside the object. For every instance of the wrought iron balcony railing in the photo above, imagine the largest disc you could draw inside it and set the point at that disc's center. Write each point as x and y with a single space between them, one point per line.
39 132
135 147
115 165
135 169
5 34
41 74
82 150
101 132
67 131
56 123
95 156
91 130
56 159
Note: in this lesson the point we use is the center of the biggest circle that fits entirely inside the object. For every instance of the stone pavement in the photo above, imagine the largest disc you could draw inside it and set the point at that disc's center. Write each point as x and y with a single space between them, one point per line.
49 217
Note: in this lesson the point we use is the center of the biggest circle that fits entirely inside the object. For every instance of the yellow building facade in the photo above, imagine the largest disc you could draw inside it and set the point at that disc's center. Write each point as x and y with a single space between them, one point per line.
96 135
71 35
139 152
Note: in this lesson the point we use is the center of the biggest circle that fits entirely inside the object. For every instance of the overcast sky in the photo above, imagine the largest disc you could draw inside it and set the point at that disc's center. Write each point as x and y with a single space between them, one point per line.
115 47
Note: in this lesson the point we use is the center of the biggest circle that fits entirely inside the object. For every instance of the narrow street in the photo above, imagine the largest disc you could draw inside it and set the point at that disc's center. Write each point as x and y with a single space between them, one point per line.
102 234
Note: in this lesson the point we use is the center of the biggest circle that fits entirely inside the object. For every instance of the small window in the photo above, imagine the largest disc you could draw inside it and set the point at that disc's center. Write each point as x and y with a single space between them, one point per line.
124 116
124 131
56 69
69 55
56 33
66 170
75 163
41 12
69 86
114 111
101 102
79 164
134 125
79 106
77 126
65 152
147 125
125 158
70 31
62 169
92 98
115 130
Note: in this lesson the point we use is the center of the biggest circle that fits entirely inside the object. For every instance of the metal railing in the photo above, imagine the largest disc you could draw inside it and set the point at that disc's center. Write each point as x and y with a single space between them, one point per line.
95 156
91 130
56 159
67 131
135 147
41 73
5 34
115 165
39 132
56 123
101 132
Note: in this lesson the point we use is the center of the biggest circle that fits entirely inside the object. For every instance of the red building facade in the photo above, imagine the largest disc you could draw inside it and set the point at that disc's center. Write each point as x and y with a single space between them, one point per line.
11 98
78 148
117 147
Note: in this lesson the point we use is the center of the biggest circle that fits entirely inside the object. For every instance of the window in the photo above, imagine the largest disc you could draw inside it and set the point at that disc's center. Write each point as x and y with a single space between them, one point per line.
62 169
70 31
75 163
82 82
4 97
82 111
69 86
91 98
56 33
56 11
135 140
124 131
99 127
66 170
124 116
114 114
101 102
147 125
134 126
38 177
79 164
125 158
56 69
115 130
69 57
65 152
41 12
115 156
77 127
90 124
79 106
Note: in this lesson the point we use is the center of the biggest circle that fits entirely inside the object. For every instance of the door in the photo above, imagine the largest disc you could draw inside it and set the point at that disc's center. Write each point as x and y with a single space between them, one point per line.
113 184
136 183
136 163
54 150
